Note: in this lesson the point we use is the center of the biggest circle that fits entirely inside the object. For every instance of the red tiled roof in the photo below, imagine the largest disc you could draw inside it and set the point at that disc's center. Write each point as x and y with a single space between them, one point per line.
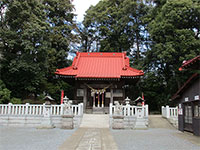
189 63
100 65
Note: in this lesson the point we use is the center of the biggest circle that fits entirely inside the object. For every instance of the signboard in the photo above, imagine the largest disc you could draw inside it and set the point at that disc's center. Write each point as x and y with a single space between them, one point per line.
196 97
108 95
186 99
179 106
180 111
117 93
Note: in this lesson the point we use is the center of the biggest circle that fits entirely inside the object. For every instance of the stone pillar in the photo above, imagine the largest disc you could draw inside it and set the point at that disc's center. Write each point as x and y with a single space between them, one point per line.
46 121
67 122
111 96
167 112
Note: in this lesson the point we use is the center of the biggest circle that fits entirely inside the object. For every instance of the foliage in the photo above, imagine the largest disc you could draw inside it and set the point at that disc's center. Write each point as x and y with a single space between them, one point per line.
15 101
174 31
4 93
34 41
37 36
116 25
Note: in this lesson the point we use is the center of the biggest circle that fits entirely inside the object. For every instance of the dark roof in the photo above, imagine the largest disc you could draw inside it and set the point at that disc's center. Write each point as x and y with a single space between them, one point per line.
192 63
186 84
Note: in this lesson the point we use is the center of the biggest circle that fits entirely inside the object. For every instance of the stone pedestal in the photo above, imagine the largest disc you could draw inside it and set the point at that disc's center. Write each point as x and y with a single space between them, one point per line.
118 122
46 122
140 123
67 122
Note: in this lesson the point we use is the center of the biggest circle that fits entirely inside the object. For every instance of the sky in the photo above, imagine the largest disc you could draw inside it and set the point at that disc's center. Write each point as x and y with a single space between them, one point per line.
81 6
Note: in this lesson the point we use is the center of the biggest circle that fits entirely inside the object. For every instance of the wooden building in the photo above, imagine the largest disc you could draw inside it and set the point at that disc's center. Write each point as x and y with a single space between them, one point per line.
100 78
188 99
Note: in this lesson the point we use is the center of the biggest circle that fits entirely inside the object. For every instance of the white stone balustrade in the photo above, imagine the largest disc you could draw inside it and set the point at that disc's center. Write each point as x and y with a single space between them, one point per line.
171 114
128 110
129 117
37 110
168 112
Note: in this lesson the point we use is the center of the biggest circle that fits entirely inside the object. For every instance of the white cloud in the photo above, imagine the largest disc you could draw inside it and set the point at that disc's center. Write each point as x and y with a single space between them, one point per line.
81 6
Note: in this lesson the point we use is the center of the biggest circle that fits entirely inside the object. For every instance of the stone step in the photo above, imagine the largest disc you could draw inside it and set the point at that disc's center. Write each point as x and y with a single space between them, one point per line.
95 121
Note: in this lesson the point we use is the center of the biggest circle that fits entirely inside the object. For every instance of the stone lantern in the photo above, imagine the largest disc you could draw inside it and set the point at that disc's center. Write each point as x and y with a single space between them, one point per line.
67 117
47 121
127 101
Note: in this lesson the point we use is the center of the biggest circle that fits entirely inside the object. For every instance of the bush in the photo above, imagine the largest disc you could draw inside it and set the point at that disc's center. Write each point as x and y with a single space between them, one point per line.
15 101
4 93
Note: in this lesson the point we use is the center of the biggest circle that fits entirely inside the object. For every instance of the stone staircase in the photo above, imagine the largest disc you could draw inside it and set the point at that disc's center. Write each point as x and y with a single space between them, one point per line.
95 121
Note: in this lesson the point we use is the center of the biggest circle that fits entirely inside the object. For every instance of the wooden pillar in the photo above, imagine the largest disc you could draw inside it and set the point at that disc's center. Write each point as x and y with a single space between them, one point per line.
85 99
102 100
98 101
111 96
94 100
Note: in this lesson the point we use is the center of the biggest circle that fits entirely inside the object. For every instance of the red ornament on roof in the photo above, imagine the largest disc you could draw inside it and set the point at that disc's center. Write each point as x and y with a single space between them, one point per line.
100 65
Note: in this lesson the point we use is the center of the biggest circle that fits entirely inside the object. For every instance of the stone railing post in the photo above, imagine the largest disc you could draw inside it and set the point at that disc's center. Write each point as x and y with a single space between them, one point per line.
9 108
46 121
43 108
61 110
162 111
167 112
143 112
176 112
110 109
146 110
128 109
26 109
79 109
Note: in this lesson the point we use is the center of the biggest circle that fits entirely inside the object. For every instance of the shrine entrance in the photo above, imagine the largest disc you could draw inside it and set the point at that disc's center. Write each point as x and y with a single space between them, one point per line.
99 100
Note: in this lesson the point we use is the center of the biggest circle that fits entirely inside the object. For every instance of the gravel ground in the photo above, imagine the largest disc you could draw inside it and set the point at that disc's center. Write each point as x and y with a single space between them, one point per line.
32 139
152 139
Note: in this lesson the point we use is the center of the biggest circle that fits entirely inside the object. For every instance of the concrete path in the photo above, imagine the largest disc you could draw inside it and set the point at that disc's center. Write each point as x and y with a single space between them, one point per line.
93 134
16 138
90 139
155 139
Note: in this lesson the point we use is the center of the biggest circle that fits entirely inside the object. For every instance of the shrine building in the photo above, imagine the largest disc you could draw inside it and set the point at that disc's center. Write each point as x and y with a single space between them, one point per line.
100 78
188 98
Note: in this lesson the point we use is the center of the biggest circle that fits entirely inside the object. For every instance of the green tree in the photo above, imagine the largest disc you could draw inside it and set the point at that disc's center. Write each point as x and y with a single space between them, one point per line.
174 31
34 40
117 25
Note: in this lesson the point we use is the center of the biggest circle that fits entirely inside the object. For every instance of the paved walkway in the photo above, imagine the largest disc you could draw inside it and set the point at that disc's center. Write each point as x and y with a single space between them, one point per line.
93 134
90 139
12 138
154 139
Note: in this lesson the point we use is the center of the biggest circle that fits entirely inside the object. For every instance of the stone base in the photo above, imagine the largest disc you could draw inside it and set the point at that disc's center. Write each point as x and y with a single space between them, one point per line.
45 127
118 122
67 122
46 123
140 124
